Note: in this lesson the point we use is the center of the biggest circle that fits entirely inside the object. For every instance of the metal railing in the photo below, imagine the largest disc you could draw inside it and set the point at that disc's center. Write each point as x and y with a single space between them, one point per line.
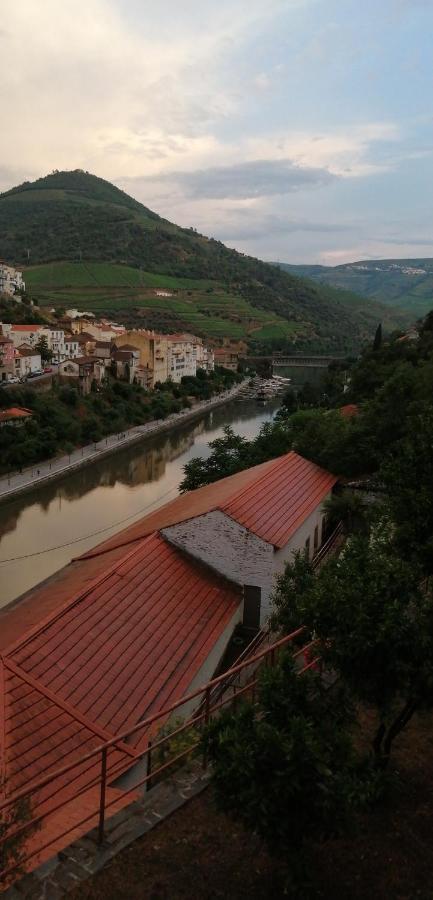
109 760
103 769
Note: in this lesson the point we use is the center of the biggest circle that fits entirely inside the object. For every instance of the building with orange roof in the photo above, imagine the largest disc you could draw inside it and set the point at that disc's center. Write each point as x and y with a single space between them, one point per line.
137 623
14 415
349 411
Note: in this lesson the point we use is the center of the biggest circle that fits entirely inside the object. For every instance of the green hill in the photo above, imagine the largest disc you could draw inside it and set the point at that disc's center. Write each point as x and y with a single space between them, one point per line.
91 245
402 284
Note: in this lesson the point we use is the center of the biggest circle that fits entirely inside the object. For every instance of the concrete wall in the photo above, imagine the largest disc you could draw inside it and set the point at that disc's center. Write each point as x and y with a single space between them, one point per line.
297 542
210 666
238 554
229 548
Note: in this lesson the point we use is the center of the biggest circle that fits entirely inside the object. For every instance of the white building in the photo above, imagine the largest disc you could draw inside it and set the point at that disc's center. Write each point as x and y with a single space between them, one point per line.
27 360
72 346
247 527
11 280
56 343
182 355
26 334
204 357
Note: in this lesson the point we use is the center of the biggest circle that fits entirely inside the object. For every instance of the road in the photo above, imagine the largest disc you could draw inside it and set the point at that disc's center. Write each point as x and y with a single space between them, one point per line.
18 482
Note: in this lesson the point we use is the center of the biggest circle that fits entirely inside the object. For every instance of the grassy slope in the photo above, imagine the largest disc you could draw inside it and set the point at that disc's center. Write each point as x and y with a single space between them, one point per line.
412 293
72 215
130 294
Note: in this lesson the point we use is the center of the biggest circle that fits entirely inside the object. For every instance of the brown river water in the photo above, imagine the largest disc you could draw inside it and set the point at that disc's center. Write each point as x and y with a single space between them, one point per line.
107 496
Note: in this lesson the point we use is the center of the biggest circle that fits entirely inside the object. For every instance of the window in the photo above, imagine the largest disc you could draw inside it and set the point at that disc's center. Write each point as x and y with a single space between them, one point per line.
307 548
316 538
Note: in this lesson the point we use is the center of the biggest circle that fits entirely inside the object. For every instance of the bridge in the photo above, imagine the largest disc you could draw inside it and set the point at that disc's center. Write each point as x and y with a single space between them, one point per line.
307 361
303 367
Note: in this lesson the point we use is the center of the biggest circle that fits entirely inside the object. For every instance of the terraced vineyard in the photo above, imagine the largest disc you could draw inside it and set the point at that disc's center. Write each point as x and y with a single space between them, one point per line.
202 306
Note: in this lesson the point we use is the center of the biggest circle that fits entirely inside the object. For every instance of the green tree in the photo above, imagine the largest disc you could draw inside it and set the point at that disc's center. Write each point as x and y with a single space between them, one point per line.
407 473
374 627
287 768
43 348
377 343
229 454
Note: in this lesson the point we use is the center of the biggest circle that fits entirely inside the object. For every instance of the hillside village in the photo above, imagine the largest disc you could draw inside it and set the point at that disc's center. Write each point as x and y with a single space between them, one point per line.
83 348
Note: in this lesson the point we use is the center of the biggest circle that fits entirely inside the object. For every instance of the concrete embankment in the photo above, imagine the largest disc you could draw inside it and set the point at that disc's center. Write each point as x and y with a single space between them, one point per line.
42 473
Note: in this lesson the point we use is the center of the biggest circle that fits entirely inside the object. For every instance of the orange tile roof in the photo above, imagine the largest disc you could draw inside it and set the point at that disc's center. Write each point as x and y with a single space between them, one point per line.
350 410
27 327
129 644
15 412
303 485
271 500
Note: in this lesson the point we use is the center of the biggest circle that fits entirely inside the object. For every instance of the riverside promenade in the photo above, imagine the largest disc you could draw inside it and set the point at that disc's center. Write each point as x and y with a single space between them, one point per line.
17 483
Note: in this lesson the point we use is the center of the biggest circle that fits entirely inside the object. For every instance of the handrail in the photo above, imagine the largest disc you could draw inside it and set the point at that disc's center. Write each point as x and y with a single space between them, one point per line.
213 699
114 741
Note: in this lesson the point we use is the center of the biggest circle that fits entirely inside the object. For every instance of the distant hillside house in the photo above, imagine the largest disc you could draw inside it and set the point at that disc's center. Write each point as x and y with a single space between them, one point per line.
226 358
11 280
181 356
126 361
153 354
81 372
28 334
27 360
104 350
7 357
72 346
349 410
15 415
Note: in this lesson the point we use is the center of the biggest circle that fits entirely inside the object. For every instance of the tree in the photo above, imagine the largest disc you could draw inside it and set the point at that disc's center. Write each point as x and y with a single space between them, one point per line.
407 473
229 454
377 343
374 627
287 768
44 350
348 508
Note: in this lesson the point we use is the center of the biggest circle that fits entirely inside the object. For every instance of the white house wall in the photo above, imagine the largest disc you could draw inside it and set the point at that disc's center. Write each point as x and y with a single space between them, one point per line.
237 553
297 541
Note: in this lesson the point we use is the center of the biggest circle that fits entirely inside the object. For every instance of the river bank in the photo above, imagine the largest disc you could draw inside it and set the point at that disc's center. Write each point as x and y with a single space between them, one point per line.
13 485
41 530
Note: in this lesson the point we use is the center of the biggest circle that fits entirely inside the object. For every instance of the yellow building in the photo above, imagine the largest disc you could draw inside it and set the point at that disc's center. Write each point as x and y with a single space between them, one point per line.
153 353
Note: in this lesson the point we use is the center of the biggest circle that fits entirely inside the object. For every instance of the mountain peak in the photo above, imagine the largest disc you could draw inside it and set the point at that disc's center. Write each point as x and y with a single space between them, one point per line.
76 184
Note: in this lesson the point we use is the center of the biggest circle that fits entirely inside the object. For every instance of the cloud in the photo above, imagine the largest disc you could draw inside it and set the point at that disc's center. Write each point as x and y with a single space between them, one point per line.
253 225
258 178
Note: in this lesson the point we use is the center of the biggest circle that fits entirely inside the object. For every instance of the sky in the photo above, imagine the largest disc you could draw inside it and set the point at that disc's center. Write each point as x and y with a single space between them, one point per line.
292 130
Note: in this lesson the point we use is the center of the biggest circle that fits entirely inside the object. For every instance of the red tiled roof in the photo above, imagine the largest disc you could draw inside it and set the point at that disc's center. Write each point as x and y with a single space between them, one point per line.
131 643
275 506
15 412
271 500
27 327
28 351
350 410
306 486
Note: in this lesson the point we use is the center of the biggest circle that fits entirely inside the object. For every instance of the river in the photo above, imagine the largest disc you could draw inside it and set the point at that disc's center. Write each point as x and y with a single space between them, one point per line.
107 496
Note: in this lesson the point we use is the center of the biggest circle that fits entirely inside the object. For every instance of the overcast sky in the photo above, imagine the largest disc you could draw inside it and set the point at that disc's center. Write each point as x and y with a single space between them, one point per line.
294 130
